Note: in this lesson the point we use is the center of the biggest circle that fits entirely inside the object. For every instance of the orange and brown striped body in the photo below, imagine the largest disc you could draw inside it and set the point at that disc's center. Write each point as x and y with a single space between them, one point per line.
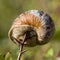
37 25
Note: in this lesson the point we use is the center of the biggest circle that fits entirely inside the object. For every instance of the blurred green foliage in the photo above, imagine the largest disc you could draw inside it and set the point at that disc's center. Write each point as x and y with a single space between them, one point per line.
9 10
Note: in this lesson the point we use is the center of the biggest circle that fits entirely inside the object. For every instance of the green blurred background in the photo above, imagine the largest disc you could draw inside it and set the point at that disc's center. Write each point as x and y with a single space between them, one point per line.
9 10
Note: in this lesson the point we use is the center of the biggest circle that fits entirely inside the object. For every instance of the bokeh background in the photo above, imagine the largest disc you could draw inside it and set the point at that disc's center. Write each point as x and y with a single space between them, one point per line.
9 10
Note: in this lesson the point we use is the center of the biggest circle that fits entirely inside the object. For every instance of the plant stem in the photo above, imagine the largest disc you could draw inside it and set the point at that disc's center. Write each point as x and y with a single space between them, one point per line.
20 52
21 49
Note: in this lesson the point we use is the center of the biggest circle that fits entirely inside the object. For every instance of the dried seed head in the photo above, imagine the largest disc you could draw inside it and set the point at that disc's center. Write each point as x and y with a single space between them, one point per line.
37 25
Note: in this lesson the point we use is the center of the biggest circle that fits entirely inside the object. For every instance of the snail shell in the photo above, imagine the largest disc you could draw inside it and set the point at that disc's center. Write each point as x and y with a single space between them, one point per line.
37 25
